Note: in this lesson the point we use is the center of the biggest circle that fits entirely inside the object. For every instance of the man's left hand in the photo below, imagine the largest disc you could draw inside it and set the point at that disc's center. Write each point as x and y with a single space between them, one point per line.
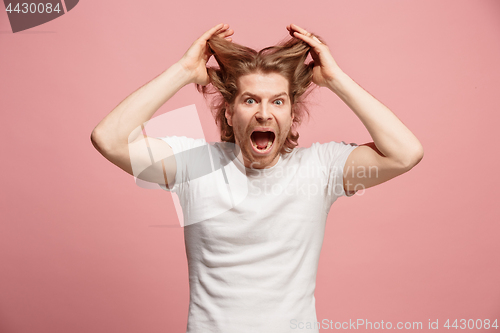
325 69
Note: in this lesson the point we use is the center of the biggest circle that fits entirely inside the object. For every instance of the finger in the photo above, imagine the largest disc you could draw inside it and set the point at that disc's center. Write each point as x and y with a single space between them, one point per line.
316 39
313 41
226 33
206 36
299 29
222 30
295 27
209 33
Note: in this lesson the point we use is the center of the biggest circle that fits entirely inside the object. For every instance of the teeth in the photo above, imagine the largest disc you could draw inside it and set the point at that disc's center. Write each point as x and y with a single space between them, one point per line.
269 144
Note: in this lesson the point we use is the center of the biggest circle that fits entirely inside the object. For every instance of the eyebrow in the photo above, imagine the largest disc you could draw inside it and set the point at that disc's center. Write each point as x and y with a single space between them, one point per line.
253 95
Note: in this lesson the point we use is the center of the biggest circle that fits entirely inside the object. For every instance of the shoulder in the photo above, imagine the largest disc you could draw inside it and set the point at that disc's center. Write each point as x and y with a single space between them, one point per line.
317 146
330 151
325 150
183 139
182 143
297 154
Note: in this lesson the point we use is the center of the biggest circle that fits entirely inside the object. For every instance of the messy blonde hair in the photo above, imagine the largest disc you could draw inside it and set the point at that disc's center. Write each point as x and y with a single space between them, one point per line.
235 60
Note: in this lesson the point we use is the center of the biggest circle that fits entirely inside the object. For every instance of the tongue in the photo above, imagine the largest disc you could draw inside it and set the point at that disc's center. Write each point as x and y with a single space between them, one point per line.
261 139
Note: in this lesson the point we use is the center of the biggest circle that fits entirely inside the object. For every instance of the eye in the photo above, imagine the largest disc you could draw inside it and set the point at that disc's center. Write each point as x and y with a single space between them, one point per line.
250 99
280 101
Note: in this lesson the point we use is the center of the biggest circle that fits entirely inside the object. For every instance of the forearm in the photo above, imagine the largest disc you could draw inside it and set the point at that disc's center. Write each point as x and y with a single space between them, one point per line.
392 138
122 125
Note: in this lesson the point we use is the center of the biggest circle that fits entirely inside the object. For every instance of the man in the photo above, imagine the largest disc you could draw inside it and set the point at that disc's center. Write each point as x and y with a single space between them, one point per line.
253 254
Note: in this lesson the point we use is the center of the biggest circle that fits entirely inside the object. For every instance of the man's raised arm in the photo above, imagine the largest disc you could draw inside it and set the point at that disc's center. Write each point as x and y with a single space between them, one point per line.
118 136
394 150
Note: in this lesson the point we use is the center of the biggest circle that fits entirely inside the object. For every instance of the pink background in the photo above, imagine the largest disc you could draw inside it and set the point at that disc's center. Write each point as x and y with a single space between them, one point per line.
84 249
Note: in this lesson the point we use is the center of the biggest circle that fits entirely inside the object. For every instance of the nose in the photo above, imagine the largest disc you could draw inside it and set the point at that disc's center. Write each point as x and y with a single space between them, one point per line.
263 113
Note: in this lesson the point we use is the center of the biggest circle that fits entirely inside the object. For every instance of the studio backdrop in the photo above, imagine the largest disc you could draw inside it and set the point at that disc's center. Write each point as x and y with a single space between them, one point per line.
84 247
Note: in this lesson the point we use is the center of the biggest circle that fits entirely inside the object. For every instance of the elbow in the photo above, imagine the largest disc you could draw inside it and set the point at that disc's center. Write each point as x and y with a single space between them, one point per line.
96 140
414 158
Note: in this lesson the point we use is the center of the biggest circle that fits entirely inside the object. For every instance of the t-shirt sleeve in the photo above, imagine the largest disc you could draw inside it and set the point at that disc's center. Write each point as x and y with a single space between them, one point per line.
180 146
332 157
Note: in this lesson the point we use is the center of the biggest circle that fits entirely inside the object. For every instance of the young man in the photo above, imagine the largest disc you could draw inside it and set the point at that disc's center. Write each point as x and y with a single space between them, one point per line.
253 254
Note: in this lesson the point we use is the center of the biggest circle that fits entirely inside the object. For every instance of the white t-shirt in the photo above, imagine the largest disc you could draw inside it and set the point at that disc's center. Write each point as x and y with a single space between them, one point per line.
253 236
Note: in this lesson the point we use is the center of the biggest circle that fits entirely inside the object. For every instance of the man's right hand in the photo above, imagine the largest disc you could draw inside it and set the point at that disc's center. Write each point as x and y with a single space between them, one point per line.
118 137
195 59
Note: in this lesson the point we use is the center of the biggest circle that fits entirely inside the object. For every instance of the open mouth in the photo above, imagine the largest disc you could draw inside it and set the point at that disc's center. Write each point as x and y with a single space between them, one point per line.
262 142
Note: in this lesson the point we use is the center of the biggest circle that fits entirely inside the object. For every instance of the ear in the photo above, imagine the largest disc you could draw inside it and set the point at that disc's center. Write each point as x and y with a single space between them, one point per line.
229 114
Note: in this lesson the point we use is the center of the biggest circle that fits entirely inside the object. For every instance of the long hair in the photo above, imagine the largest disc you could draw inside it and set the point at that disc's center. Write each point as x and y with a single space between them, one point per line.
235 60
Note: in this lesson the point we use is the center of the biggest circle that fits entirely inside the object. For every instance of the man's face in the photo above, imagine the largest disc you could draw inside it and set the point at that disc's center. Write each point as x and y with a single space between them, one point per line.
261 118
